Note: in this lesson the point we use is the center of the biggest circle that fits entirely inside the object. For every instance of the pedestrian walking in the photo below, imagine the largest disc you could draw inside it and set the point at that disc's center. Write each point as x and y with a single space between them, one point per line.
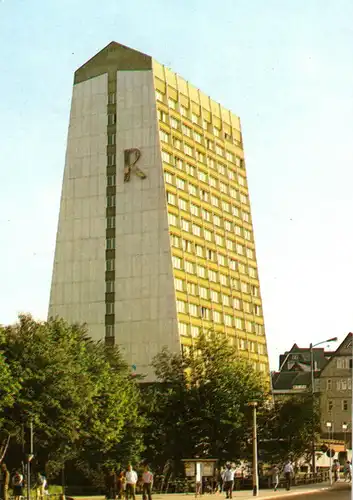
336 470
131 480
288 473
110 483
41 486
17 485
275 477
4 482
147 484
228 481
347 469
121 484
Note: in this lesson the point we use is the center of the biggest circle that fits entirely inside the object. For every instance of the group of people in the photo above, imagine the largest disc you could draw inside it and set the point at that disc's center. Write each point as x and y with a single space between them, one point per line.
347 470
123 485
16 481
288 472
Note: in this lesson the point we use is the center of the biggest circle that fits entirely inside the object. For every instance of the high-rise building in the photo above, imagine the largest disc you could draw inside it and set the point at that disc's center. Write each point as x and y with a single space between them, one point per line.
155 240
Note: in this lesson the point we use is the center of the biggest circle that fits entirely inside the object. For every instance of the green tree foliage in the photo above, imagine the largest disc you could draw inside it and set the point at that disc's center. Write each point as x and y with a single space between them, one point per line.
79 394
285 428
200 407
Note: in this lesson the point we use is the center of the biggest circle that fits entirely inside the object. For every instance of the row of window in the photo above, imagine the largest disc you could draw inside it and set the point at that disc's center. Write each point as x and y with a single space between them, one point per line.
189 150
207 314
204 194
344 405
200 251
193 117
217 297
344 363
208 235
342 384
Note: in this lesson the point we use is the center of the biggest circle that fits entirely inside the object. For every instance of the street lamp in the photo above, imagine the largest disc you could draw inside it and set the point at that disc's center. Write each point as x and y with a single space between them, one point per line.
344 428
313 458
255 472
329 428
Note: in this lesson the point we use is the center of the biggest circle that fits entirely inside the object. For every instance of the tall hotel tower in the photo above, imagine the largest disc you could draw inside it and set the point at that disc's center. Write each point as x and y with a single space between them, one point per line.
155 240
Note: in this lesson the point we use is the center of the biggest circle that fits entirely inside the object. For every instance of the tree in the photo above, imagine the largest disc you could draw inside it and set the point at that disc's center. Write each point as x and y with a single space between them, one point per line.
79 394
200 406
286 428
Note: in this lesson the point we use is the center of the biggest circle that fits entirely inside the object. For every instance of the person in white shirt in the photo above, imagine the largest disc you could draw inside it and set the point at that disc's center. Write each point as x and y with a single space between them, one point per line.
288 472
228 481
147 479
131 480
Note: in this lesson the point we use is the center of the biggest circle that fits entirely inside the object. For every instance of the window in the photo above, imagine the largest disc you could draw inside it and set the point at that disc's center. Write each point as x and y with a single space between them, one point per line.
252 272
190 169
181 306
221 260
194 209
111 200
223 279
235 284
233 264
202 176
162 116
196 230
237 304
194 331
239 323
216 220
213 181
214 296
111 139
166 157
185 225
226 300
192 189
229 156
194 118
246 216
197 137
176 262
183 204
180 183
210 254
193 310
111 98
174 123
188 150
111 160
186 130
206 215
229 244
254 291
234 194
172 103
178 283
111 118
212 275
168 177
110 243
215 201
259 329
207 235
203 292
183 110
225 206
241 342
189 267
177 143
330 405
237 230
344 405
111 180
199 251
216 317
201 271
205 313
183 329
210 161
199 156
111 222
203 195
223 187
240 249
247 307
231 174
172 220
250 253
110 265
216 131
109 286
109 330
159 96
241 180
243 199
179 163
342 363
219 150
247 234
245 288
257 310
175 240
191 288
171 198
228 320
241 268
164 136
218 240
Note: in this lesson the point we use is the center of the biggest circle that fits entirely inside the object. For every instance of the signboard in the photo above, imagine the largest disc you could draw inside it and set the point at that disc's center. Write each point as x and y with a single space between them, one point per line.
189 469
208 469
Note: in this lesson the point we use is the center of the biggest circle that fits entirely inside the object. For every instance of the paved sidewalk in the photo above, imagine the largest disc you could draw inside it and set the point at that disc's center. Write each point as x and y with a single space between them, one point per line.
296 491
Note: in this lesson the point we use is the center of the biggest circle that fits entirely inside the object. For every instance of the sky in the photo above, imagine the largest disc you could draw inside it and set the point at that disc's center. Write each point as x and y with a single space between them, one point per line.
285 67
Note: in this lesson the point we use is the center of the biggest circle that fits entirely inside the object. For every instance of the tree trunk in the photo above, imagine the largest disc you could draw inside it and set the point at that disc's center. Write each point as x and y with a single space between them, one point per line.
3 448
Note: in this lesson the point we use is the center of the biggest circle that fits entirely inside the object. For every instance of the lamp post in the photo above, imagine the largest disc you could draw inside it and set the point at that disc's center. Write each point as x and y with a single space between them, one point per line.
255 472
313 458
329 428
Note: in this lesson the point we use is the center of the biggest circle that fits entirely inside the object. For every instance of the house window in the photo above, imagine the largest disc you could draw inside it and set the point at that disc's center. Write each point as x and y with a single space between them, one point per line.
111 139
194 209
174 123
223 279
205 313
111 160
201 271
175 240
344 405
226 300
183 204
180 183
189 267
329 384
207 235
206 215
176 262
111 118
178 284
216 317
199 251
109 331
172 103
212 275
196 230
172 220
111 180
109 308
183 329
219 150
192 189
170 198
185 225
110 265
329 405
166 157
110 243
191 288
195 331
193 310
111 222
214 296
168 178
203 292
163 136
181 306
109 286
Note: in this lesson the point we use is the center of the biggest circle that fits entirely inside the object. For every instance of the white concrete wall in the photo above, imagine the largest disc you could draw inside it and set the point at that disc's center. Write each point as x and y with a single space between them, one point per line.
78 287
145 308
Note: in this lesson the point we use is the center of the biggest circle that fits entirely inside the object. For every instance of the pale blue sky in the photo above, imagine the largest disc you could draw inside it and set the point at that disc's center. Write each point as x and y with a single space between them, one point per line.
284 66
